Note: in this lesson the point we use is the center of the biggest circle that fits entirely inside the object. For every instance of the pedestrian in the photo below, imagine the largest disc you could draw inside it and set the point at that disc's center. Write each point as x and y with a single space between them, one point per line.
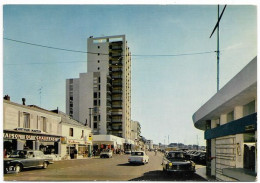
94 152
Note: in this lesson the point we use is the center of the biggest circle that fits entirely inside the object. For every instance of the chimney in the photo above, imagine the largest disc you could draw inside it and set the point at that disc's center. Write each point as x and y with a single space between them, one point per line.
23 99
7 97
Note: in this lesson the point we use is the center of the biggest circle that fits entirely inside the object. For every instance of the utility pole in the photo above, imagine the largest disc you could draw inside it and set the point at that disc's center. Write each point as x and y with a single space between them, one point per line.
90 114
217 27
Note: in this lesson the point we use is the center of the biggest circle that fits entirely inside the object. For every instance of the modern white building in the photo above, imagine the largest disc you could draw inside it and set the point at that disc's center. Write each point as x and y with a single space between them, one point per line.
101 98
229 120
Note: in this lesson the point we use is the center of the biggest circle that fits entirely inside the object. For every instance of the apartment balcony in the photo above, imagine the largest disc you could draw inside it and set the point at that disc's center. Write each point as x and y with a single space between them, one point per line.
109 98
117 112
115 47
117 91
117 134
114 84
117 69
116 120
118 98
117 106
117 128
117 76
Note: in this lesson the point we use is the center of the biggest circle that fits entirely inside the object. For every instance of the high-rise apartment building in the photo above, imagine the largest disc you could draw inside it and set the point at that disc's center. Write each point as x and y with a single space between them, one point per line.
101 98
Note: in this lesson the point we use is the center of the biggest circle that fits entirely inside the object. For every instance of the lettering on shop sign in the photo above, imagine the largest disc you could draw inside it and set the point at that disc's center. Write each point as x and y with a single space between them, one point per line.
29 137
12 136
73 142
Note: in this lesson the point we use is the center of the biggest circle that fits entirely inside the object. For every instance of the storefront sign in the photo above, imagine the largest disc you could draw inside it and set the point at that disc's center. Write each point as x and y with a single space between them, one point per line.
74 142
28 130
30 137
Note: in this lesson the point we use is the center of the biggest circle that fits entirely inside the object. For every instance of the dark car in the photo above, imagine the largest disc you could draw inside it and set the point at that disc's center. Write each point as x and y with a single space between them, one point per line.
21 159
174 161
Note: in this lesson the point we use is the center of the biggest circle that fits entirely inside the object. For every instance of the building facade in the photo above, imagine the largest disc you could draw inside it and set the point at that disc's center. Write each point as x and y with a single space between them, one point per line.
101 98
30 127
230 124
76 141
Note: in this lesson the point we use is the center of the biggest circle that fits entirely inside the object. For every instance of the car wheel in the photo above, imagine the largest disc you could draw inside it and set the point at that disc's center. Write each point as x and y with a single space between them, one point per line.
18 168
44 165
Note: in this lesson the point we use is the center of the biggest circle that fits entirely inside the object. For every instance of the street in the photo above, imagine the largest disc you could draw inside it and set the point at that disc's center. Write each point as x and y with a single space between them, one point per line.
113 169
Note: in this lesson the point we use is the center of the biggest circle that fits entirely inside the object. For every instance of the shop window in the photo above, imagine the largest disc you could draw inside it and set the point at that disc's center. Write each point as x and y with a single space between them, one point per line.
71 132
26 122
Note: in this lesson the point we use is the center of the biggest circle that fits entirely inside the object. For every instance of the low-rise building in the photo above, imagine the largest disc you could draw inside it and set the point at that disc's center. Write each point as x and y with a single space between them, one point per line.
229 120
77 138
30 127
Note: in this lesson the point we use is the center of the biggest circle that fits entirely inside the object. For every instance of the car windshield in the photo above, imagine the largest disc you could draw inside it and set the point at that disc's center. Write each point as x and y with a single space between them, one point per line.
137 153
18 154
175 155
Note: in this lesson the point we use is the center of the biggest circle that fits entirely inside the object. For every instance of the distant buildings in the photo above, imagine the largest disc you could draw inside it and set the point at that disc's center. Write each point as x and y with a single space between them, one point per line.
229 120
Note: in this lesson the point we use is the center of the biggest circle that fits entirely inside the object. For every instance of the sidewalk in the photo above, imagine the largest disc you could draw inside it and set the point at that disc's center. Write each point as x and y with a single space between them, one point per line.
201 171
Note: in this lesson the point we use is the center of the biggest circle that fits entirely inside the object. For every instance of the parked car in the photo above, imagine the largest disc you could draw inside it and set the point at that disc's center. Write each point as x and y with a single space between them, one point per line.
128 151
174 161
138 157
22 159
196 156
106 154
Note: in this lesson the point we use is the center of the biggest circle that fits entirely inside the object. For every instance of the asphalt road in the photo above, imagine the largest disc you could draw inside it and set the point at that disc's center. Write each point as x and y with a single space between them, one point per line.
113 169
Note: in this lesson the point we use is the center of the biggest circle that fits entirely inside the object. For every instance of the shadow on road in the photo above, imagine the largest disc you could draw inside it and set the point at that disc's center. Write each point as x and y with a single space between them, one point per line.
159 175
130 164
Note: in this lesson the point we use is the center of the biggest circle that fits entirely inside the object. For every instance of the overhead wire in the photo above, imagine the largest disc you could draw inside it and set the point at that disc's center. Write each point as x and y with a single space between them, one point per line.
78 51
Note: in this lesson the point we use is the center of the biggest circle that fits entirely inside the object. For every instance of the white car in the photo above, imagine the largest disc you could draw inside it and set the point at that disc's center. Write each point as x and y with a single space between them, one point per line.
106 154
138 157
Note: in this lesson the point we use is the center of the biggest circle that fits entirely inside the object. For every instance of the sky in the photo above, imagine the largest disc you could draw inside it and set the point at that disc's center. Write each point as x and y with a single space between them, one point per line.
173 58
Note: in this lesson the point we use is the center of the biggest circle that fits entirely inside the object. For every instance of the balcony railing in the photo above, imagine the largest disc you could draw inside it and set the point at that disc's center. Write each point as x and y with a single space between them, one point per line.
116 113
117 83
116 76
117 98
116 120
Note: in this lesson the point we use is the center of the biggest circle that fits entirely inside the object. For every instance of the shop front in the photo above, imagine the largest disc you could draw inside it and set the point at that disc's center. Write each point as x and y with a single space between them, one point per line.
22 140
78 149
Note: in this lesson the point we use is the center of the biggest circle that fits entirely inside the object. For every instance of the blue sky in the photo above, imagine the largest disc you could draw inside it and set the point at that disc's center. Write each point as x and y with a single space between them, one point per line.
166 90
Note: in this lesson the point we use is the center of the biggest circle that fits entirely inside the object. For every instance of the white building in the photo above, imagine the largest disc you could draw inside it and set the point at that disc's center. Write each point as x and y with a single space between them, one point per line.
149 144
136 130
56 134
30 127
230 124
101 98
76 136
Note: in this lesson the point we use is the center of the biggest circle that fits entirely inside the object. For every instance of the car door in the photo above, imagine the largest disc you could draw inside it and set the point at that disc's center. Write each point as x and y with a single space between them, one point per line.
39 158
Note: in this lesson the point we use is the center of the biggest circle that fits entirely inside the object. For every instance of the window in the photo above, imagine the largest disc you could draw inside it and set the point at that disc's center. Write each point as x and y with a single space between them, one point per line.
98 61
95 94
95 125
82 133
95 118
71 132
98 47
98 68
230 116
95 102
249 108
43 125
26 123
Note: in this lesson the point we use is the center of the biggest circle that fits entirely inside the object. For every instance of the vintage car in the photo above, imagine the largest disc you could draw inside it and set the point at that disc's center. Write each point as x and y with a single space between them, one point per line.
138 157
174 161
107 153
22 159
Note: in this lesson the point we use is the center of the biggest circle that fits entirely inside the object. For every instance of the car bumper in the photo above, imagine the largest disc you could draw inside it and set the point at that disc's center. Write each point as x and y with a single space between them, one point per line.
136 162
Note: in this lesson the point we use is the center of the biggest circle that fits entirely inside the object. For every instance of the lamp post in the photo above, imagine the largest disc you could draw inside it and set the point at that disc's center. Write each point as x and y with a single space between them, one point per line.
90 114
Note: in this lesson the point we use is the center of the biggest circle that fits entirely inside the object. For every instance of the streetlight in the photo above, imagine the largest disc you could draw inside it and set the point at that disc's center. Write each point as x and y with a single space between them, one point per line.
90 113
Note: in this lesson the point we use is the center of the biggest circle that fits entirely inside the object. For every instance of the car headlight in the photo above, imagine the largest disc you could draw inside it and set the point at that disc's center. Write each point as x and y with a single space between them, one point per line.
192 164
170 164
